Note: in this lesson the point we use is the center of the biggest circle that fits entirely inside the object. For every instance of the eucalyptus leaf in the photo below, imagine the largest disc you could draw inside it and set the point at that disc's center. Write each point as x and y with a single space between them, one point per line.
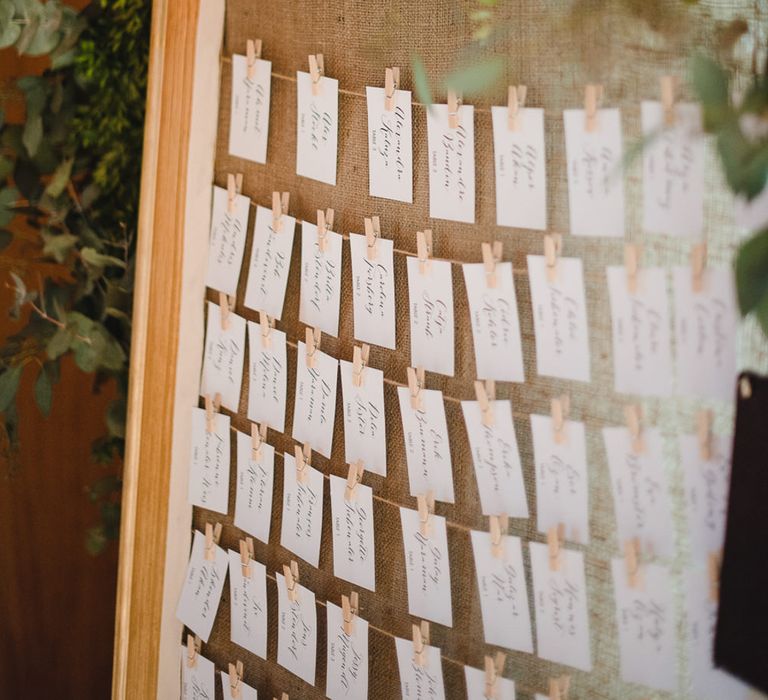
9 30
59 343
8 198
116 418
710 82
477 77
60 178
421 81
752 277
9 385
6 167
98 260
43 392
33 134
58 246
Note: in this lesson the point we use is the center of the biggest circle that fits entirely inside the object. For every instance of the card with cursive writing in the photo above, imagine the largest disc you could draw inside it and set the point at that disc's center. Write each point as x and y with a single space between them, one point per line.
373 291
302 521
496 459
317 128
354 557
227 241
427 451
270 261
495 324
416 681
595 175
560 600
347 675
673 170
209 462
390 146
640 490
320 280
248 605
255 481
249 113
203 584
562 480
426 567
198 681
296 631
245 690
521 186
364 425
647 624
642 350
314 408
451 164
223 357
430 300
503 592
706 325
559 319
475 680
267 377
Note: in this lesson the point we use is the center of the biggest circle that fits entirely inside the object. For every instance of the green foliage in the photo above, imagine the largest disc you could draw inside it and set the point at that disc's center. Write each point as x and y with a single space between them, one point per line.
752 278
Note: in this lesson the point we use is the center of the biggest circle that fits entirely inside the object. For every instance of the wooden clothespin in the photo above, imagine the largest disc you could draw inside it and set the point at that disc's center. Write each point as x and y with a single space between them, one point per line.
258 438
193 649
246 554
313 337
303 456
454 105
235 679
498 525
424 250
234 187
553 245
226 304
704 433
252 52
211 408
324 224
360 354
316 71
559 688
555 537
668 98
420 643
698 265
593 96
632 562
714 563
632 254
291 574
494 669
515 102
426 507
372 235
560 407
267 324
284 696
279 207
633 415
491 256
354 477
349 608
212 537
391 81
415 386
486 395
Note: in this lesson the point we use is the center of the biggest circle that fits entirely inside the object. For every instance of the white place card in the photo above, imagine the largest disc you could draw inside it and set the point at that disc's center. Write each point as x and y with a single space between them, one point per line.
320 280
673 170
354 557
503 592
364 425
495 323
317 128
647 624
246 692
347 674
314 408
203 584
267 377
223 358
640 491
642 350
560 598
430 301
595 175
496 459
227 241
249 113
417 682
255 482
562 480
390 146
197 682
297 631
373 291
209 462
427 451
451 164
475 680
248 605
426 568
706 327
302 520
520 158
560 319
270 261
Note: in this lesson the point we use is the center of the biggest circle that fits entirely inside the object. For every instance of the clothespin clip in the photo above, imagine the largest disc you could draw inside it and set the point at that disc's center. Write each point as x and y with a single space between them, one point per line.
491 256
303 456
284 696
632 254
360 354
593 96
714 562
698 265
515 102
267 324
391 81
279 207
193 649
668 98
316 71
494 668
420 643
258 438
372 235
226 304
235 679
212 537
704 432
354 477
632 562
313 337
555 537
246 554
426 507
560 407
234 187
486 395
454 104
559 688
291 574
252 52
324 224
211 408
415 386
633 415
349 608
553 245
424 250
498 525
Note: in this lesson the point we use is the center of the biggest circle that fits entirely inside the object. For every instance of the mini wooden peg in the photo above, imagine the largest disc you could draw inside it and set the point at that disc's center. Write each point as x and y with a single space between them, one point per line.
360 354
745 387
454 105
349 608
515 102
246 554
372 235
354 477
211 408
415 386
291 574
324 224
498 525
632 266
235 679
313 337
633 415
279 207
234 187
593 95
555 537
553 244
698 266
632 562
316 71
714 562
424 250
420 643
258 438
491 256
284 696
559 688
426 507
225 308
212 537
494 668
668 98
391 81
193 649
486 395
252 52
303 455
267 324
704 433
560 407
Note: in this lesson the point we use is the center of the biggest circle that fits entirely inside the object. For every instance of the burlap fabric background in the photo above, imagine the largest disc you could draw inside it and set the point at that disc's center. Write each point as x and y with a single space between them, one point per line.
554 57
